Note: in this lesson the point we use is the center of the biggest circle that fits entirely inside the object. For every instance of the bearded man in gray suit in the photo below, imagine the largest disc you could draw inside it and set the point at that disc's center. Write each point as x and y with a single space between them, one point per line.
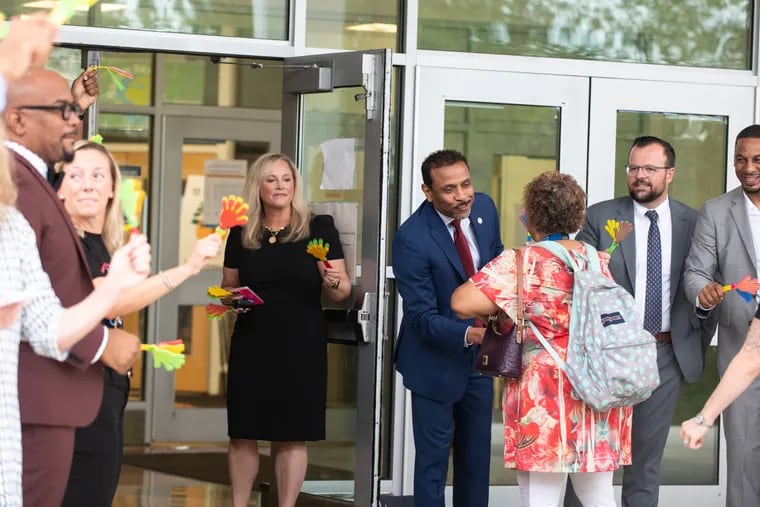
650 265
724 250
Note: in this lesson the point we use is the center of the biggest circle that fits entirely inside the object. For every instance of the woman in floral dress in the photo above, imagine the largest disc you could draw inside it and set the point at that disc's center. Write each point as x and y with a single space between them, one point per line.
548 433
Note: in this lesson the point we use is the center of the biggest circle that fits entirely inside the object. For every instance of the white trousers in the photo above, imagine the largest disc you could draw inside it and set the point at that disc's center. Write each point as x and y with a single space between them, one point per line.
544 489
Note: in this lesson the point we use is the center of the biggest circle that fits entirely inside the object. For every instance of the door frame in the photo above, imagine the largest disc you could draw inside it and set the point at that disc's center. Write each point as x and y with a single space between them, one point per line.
434 87
165 422
608 96
322 74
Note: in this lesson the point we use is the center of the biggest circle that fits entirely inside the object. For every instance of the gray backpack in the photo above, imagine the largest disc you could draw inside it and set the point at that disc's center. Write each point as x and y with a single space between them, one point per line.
611 359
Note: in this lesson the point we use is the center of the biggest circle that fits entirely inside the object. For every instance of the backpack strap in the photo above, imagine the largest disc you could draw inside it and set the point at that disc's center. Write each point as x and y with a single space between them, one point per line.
570 258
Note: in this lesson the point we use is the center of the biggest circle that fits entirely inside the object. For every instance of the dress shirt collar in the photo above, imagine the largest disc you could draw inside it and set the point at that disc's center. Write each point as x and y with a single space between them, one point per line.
29 156
663 210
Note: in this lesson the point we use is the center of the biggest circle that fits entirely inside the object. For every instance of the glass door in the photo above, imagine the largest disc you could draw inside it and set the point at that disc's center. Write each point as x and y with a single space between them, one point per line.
335 125
199 157
701 122
511 127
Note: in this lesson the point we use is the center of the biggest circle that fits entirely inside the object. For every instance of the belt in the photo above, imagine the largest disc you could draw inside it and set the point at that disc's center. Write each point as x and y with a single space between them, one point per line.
663 337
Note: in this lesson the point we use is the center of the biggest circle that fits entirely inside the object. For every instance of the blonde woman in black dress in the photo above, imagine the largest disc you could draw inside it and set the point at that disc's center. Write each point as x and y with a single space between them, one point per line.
277 383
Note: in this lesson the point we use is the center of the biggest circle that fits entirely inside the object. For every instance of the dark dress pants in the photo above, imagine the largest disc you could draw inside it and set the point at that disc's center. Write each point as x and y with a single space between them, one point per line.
464 424
98 449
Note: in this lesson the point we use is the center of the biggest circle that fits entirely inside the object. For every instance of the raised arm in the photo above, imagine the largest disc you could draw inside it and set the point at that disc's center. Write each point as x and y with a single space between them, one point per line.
150 290
742 370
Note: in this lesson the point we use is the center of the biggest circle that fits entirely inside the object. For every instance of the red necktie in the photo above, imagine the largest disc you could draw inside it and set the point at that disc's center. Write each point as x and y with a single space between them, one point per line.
460 241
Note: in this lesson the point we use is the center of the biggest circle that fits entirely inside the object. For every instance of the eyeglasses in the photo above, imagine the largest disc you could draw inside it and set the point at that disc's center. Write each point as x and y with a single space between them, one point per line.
649 170
65 108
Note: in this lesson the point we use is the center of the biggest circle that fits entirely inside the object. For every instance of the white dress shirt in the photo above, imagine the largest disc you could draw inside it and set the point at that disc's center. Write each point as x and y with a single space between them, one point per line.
641 226
471 242
753 214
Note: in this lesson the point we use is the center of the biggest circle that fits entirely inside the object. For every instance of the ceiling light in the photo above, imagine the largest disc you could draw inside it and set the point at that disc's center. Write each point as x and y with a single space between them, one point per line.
373 27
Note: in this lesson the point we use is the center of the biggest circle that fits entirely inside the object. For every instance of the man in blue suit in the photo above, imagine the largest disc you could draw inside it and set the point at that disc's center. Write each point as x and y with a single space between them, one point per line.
436 351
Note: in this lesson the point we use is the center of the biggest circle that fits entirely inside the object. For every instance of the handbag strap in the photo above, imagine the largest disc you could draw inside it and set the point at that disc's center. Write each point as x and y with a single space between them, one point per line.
520 308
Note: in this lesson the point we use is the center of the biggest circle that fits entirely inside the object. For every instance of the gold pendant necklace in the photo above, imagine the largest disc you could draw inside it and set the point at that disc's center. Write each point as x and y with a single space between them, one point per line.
273 234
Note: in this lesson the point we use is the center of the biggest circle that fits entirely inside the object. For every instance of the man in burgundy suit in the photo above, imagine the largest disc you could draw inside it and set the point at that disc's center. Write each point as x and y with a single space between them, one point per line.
42 119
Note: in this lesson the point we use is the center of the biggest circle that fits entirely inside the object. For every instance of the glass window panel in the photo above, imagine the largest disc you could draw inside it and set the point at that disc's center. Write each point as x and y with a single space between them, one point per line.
195 80
118 90
67 62
128 139
702 33
201 382
506 146
260 19
355 25
700 143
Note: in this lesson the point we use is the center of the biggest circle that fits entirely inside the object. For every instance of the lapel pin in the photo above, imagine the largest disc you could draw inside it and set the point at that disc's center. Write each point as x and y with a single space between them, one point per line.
480 220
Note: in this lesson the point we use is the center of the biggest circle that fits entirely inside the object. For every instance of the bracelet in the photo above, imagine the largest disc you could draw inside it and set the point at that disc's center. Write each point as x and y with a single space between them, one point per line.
166 280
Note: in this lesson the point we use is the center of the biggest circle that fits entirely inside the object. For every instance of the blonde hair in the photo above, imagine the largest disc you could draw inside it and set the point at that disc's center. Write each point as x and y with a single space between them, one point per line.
299 212
7 186
113 226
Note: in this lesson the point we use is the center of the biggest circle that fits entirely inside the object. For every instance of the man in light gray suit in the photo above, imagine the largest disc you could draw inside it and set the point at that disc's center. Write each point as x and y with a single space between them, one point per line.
724 250
637 265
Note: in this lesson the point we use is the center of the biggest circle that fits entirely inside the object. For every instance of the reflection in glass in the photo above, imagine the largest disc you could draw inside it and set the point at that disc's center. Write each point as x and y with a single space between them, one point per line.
128 139
337 121
356 25
506 146
700 143
234 18
201 382
196 80
66 61
701 33
118 90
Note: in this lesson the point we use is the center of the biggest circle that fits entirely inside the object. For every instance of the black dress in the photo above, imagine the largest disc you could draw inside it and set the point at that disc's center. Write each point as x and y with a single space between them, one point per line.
277 381
98 448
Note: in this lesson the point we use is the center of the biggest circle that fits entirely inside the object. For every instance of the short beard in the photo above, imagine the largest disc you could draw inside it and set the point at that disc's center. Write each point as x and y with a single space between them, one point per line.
751 190
652 196
68 157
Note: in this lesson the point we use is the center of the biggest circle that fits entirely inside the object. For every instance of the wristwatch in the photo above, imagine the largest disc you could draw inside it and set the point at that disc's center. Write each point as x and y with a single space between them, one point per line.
700 419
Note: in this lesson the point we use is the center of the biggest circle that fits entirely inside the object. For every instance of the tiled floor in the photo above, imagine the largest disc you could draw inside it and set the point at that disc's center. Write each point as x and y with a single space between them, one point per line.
139 487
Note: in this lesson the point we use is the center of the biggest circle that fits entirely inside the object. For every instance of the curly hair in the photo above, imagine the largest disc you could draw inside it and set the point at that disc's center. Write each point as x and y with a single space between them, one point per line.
554 203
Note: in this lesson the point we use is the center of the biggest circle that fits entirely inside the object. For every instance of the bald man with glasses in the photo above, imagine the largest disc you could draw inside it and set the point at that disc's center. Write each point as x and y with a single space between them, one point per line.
42 119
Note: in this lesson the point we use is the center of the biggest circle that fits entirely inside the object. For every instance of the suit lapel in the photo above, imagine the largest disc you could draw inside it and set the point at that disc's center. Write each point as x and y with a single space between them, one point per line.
739 214
56 203
678 252
442 237
628 247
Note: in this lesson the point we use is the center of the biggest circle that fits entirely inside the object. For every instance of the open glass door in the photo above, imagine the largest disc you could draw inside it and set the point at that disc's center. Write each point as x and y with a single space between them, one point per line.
335 125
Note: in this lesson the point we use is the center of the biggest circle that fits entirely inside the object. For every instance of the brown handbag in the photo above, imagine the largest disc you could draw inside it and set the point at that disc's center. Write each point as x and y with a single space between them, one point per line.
500 353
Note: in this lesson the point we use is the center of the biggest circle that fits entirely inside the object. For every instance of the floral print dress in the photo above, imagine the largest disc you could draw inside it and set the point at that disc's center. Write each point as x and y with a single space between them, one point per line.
547 429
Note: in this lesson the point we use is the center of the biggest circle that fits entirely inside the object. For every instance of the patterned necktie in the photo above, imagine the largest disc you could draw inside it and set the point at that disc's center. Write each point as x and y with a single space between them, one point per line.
460 241
653 298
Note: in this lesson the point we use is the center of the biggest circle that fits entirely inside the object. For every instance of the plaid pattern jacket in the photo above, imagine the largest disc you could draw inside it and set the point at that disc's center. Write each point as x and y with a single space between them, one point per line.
21 271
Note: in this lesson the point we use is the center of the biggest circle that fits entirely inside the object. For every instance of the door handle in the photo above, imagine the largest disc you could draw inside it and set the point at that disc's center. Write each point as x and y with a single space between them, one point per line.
351 326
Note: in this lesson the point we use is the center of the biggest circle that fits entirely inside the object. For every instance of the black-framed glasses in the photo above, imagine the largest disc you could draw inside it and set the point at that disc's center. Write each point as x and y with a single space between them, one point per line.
649 170
65 108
